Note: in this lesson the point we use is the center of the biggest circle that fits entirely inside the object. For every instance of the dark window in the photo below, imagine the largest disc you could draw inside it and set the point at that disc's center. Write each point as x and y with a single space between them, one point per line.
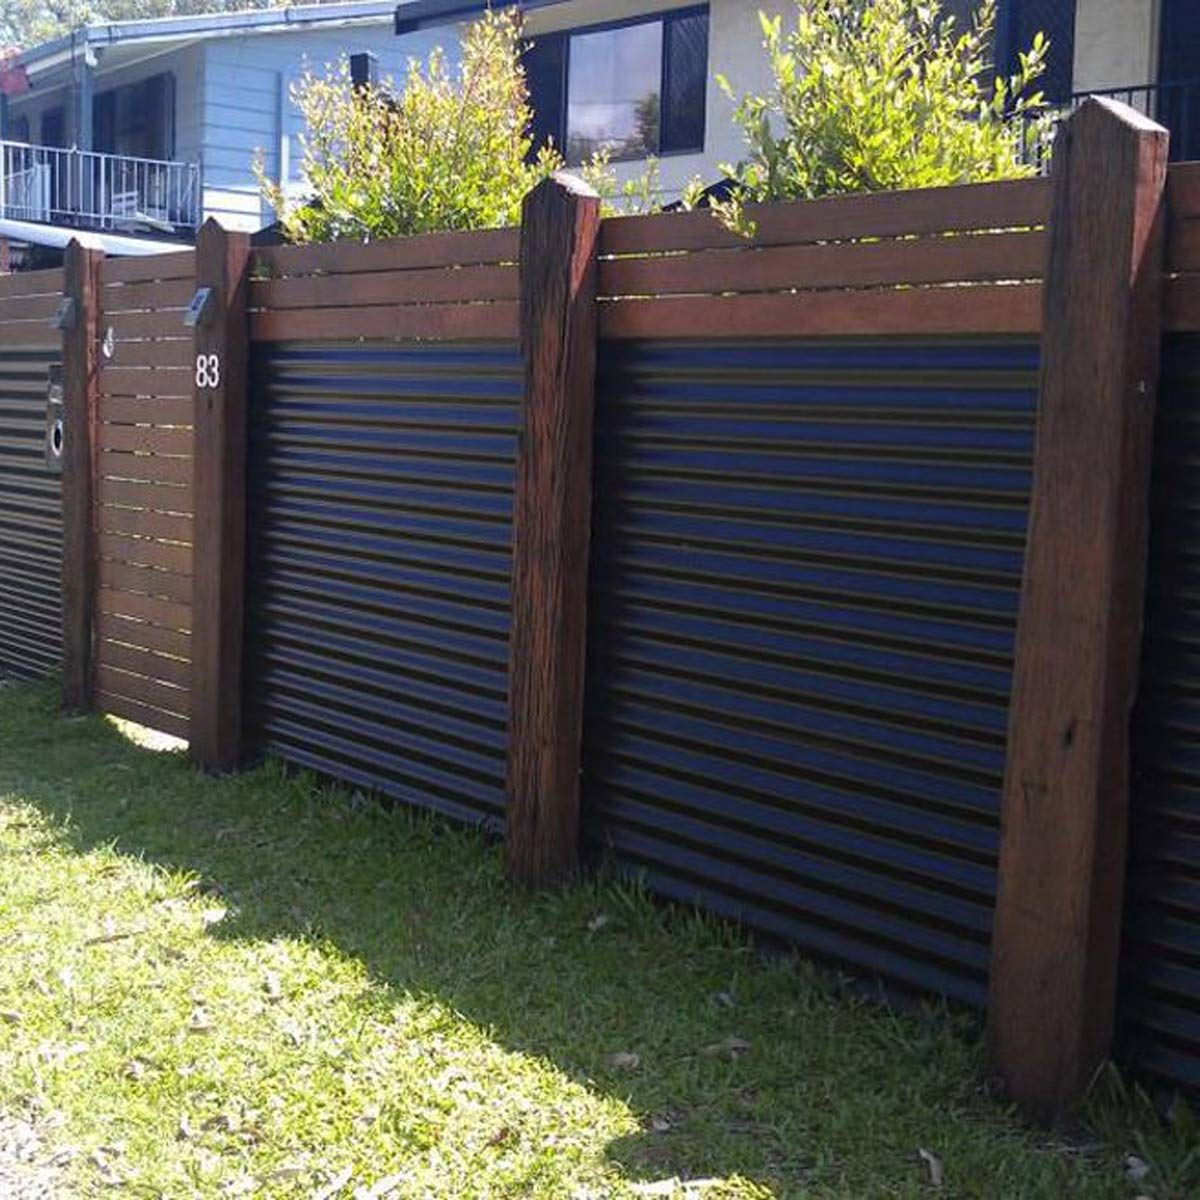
137 120
546 78
634 88
54 127
1020 21
18 128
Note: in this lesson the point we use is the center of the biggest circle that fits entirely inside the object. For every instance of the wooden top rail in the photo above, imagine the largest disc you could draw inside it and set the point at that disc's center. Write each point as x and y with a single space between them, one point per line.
452 286
940 260
1183 248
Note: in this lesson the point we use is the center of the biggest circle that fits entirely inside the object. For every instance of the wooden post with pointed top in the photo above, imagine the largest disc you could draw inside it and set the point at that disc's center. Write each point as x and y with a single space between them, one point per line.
560 227
1066 791
81 386
221 348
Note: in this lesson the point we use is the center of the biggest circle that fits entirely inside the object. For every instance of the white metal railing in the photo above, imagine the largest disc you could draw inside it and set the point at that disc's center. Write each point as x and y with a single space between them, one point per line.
100 191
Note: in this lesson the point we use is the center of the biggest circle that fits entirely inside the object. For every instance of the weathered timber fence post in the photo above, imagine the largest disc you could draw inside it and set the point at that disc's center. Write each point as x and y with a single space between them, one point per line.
560 227
1066 791
219 550
80 384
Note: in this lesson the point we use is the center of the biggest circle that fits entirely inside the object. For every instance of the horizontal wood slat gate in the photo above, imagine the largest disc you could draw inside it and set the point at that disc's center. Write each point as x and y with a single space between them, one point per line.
144 492
30 493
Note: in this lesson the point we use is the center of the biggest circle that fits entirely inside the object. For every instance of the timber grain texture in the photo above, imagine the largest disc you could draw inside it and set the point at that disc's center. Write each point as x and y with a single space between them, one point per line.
551 530
1066 794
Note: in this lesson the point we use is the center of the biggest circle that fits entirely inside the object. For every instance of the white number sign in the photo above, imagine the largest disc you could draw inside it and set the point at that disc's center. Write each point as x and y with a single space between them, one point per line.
208 371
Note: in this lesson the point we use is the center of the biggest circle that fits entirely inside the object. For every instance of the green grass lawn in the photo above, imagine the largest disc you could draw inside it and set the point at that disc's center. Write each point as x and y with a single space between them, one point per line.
262 986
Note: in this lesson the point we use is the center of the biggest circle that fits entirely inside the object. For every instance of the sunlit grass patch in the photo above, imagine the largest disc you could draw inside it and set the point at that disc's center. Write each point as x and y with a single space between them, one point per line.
264 986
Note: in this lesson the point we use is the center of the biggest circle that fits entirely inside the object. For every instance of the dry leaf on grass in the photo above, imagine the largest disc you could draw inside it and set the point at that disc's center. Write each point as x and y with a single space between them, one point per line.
934 1164
730 1047
624 1060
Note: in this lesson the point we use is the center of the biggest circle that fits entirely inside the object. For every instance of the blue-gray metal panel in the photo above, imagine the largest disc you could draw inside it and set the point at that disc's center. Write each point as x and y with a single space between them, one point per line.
381 539
30 520
1160 1001
807 562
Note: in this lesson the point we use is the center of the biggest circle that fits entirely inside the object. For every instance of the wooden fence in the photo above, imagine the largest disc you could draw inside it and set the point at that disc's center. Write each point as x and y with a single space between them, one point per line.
955 292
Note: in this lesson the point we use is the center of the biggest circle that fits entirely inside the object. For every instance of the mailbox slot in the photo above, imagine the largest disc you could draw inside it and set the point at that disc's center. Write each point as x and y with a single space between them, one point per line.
55 430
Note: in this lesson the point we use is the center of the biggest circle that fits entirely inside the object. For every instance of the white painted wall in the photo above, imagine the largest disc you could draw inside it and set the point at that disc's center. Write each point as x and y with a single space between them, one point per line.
1116 43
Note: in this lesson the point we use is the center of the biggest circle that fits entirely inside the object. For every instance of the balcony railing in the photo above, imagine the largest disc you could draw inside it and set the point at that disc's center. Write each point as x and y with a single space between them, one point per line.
97 191
1174 105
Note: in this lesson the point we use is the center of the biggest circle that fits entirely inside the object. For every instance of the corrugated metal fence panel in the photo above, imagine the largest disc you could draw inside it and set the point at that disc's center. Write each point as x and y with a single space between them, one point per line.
30 494
381 539
30 519
1161 977
805 586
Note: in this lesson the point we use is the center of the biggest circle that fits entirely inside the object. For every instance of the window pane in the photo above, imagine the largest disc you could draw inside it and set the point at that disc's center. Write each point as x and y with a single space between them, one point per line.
686 82
544 79
613 84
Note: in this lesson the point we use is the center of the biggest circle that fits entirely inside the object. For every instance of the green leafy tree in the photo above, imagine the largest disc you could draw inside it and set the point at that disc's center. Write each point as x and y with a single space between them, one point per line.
450 149
873 95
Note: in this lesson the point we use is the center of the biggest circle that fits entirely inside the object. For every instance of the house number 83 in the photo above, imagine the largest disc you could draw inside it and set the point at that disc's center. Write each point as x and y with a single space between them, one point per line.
208 370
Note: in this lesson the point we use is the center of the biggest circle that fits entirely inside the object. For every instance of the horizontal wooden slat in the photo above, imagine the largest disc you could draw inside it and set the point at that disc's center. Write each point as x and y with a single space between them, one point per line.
1008 205
386 287
177 352
396 254
140 688
1182 313
926 260
29 308
1183 246
158 496
128 326
32 283
145 440
164 613
141 522
155 295
122 577
157 469
161 410
140 661
444 322
176 264
1183 190
29 335
168 555
110 628
142 381
983 309
142 714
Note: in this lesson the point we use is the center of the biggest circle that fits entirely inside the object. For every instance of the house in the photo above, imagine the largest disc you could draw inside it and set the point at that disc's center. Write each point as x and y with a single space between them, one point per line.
638 76
152 126
149 127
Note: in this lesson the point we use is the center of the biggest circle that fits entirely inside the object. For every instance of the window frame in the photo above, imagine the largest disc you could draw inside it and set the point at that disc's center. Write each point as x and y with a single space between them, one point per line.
663 17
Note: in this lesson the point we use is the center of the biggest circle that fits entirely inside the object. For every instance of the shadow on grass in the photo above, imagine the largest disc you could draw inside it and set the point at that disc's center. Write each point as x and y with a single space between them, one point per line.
745 1065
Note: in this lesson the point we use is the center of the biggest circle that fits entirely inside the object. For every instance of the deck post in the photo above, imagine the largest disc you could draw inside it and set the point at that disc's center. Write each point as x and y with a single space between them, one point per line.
1066 789
560 228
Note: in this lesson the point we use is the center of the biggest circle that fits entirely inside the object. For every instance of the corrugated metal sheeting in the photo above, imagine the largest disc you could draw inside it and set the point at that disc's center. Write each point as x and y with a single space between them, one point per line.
381 514
1161 978
30 519
805 584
